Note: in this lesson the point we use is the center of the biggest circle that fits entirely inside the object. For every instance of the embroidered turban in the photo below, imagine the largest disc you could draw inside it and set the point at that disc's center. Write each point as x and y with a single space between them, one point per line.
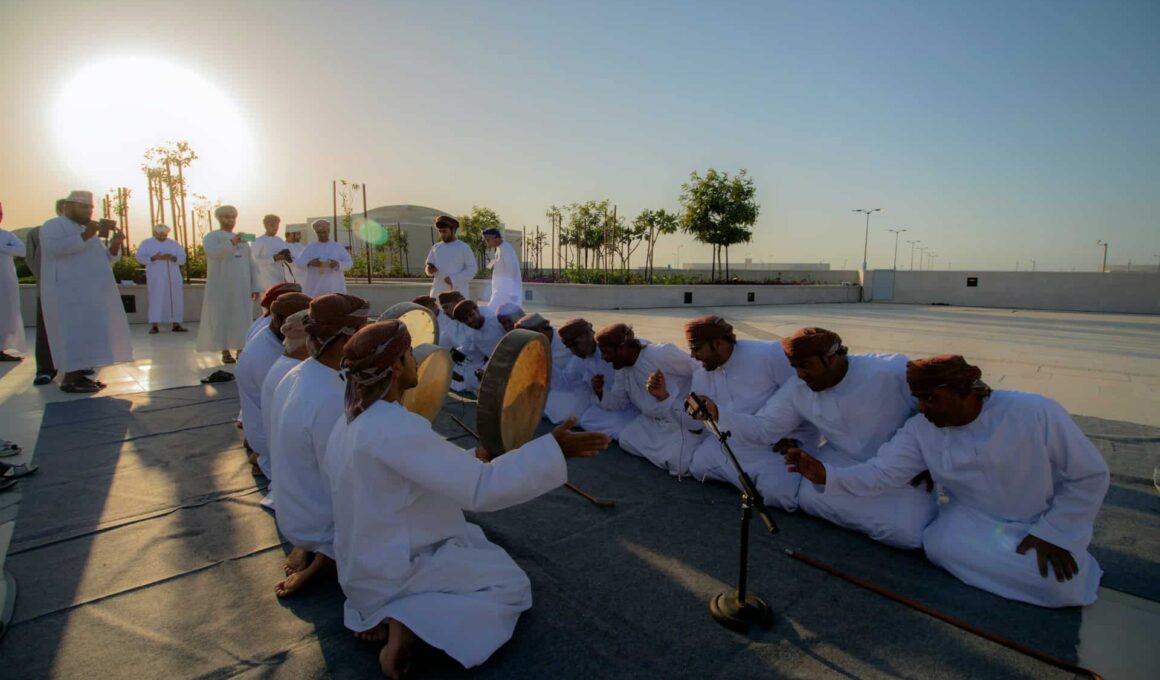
811 342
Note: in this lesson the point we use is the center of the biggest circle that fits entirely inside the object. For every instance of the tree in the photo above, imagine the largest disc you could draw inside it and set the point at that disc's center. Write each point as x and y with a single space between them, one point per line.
654 223
556 216
719 210
165 169
589 224
471 228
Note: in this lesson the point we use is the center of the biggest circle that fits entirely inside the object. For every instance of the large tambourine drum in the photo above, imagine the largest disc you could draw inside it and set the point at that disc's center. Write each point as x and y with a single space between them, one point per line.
434 368
421 322
513 391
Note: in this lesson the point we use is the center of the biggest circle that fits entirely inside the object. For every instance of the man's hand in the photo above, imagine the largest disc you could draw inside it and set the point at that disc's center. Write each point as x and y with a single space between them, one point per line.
430 269
710 406
657 386
598 385
279 257
806 465
333 264
90 230
786 444
1061 560
482 454
236 239
448 281
254 295
314 263
579 444
158 257
923 478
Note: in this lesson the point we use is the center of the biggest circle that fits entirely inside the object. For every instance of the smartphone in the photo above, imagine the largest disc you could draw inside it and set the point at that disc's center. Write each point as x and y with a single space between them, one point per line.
247 238
104 226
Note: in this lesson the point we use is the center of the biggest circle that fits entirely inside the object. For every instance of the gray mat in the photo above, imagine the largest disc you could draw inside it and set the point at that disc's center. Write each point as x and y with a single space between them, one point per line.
142 552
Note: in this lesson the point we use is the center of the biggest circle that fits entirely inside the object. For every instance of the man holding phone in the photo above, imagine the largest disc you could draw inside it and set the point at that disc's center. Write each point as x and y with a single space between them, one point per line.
83 314
231 286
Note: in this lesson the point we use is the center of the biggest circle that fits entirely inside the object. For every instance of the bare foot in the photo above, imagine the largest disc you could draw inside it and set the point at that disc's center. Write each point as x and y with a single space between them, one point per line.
297 560
377 634
299 579
395 659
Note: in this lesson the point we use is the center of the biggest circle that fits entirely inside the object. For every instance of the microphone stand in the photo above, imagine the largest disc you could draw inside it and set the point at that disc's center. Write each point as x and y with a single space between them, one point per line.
738 611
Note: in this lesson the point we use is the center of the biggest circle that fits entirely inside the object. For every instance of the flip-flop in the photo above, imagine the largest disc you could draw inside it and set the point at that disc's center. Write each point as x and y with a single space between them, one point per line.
153 331
180 329
217 377
9 357
18 471
8 448
80 388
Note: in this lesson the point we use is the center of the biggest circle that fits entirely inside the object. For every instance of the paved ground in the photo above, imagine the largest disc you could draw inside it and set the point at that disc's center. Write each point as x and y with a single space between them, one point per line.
1100 365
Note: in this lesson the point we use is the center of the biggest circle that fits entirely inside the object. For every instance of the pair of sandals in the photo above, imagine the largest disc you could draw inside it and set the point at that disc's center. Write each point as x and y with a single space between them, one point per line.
177 328
83 385
10 473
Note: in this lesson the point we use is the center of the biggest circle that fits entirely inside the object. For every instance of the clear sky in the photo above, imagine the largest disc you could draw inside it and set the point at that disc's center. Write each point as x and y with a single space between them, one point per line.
992 131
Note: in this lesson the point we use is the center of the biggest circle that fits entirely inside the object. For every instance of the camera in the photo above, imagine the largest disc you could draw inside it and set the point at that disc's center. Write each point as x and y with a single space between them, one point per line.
104 226
286 256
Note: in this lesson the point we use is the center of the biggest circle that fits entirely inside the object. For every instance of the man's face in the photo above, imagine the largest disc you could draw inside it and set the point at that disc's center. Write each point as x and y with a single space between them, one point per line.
271 226
711 354
78 212
492 241
293 237
619 356
228 219
508 322
161 235
475 319
446 234
944 407
407 370
323 234
818 373
582 345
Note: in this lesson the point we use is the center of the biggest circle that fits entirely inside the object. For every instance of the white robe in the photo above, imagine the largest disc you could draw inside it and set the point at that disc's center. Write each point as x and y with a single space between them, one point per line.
403 548
305 407
163 279
323 280
577 379
506 277
563 398
756 370
478 346
253 365
1022 467
455 260
297 271
227 309
655 434
856 416
257 326
267 271
281 367
83 314
450 331
11 322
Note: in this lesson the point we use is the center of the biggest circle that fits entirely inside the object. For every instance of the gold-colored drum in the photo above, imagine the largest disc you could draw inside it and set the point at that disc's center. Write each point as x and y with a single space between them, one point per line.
421 322
426 398
513 391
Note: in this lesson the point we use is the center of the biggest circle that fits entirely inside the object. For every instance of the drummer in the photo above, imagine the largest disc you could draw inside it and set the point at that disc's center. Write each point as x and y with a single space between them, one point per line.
481 333
573 386
508 314
450 330
415 573
560 401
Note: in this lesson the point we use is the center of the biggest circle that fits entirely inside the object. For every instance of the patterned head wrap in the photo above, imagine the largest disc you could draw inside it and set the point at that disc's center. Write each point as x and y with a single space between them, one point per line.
946 370
294 333
535 322
332 315
616 335
368 361
277 289
708 328
573 329
289 303
463 309
811 342
428 302
446 221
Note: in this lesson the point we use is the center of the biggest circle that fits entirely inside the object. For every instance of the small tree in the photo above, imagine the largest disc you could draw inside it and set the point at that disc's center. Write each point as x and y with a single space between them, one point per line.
471 228
719 210
654 224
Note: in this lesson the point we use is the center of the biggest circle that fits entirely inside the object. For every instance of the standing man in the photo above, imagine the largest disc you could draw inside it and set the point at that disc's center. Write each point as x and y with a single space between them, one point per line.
296 270
450 263
230 288
83 313
326 263
506 280
163 258
45 370
269 256
11 323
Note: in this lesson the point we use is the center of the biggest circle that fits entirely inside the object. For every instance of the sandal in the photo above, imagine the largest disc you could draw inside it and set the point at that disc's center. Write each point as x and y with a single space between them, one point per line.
8 448
227 359
217 377
18 471
178 328
154 331
80 387
4 356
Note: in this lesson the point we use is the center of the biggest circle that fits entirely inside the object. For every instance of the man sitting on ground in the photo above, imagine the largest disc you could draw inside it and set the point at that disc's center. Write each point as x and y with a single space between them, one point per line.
508 314
572 386
481 333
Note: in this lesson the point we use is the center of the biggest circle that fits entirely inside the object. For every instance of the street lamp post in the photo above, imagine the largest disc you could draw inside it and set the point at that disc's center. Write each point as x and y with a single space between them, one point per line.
1104 266
866 241
679 255
921 255
1157 262
1032 265
930 262
912 245
896 232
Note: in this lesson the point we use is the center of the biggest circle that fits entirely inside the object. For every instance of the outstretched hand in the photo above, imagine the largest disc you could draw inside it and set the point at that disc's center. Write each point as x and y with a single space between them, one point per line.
657 386
806 465
579 444
1061 561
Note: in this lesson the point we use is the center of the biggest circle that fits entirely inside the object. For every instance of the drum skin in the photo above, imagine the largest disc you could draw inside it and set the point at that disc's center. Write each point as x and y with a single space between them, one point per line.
513 391
421 322
434 368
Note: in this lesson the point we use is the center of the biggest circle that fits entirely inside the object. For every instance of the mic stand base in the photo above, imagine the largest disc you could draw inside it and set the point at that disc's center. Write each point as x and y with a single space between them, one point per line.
738 616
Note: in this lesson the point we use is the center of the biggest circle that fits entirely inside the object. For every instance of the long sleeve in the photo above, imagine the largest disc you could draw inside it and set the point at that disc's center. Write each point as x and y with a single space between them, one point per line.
616 395
217 247
772 422
10 245
60 238
144 252
1079 479
466 272
895 464
180 253
345 261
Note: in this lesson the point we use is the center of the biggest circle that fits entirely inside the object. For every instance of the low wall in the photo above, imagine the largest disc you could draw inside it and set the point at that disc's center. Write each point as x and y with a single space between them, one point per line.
1128 293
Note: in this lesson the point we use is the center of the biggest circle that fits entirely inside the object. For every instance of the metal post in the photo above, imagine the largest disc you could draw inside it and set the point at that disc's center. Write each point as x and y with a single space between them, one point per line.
1104 266
366 240
896 232
334 203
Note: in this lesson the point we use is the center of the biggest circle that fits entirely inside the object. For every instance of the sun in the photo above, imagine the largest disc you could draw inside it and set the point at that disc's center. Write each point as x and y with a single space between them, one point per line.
109 112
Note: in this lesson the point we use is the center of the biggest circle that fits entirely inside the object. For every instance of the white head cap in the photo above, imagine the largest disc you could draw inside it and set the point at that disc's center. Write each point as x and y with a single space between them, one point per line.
160 228
319 224
223 209
82 197
294 228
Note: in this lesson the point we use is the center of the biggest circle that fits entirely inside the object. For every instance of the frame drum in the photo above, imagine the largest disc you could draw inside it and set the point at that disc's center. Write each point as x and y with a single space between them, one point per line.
420 323
434 368
513 391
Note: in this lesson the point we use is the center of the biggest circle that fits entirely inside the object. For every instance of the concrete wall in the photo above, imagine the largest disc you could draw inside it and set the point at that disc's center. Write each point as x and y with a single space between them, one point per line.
1131 293
835 276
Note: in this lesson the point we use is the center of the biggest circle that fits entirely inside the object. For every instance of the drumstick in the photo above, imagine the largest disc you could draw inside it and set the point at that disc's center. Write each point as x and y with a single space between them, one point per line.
598 502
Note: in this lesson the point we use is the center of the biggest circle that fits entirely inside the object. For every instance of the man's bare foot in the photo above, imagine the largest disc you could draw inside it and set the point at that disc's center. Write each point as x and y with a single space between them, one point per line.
297 560
377 634
395 659
299 579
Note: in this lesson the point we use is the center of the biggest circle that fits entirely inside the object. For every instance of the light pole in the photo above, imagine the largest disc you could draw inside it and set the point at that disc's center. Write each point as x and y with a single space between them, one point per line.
912 244
930 262
1104 266
679 255
921 254
1032 265
896 232
866 242
1157 262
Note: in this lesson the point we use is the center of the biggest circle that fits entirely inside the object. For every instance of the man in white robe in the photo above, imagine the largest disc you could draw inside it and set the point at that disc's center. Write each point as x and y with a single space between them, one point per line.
326 263
572 387
296 271
83 314
45 369
857 403
655 434
304 408
269 253
481 334
162 258
272 293
253 365
451 332
411 567
560 357
506 277
450 263
1024 483
507 315
11 322
231 286
741 376
295 350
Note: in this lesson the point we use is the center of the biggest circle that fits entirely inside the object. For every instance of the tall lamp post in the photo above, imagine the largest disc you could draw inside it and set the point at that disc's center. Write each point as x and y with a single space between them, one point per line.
912 245
1157 262
930 262
921 254
1104 266
896 232
1032 264
866 241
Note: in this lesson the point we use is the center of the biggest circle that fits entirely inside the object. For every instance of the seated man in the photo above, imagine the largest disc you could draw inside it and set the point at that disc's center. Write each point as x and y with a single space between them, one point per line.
307 403
412 568
856 403
272 293
450 330
739 376
295 351
508 314
1020 474
572 386
253 364
655 434
560 357
481 333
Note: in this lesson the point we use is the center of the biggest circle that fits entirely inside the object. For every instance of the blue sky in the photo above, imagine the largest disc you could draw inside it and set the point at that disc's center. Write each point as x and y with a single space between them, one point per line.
992 131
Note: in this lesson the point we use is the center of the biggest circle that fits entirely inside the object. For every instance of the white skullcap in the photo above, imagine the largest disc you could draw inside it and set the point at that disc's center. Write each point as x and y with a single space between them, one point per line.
160 228
82 197
294 337
294 228
316 224
221 209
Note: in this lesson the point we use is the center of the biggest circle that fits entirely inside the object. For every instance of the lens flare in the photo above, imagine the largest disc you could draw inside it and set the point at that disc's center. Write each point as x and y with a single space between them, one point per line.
372 232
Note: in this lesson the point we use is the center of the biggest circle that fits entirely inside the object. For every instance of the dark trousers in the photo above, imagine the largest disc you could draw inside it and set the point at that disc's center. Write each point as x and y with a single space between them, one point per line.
43 353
